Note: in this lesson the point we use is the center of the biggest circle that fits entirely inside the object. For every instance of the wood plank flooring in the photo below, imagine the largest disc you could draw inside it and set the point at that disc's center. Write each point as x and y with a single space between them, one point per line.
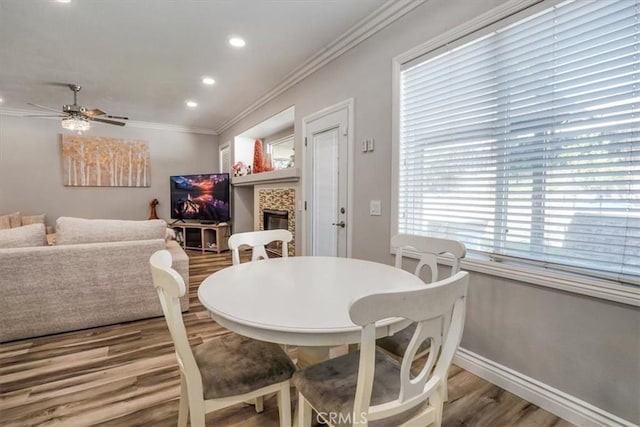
126 375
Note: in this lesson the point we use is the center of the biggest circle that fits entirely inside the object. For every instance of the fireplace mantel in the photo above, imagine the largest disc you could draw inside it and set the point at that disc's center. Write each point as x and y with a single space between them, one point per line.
277 176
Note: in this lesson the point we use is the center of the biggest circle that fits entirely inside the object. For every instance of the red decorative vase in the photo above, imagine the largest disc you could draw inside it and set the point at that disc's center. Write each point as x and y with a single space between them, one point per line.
258 160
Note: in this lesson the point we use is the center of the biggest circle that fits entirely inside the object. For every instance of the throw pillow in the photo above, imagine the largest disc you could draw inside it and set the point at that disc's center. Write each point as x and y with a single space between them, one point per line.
71 231
32 219
22 237
10 220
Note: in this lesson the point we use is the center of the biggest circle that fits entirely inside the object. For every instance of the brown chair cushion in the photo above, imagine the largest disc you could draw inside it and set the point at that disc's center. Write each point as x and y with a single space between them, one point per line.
330 386
233 364
397 343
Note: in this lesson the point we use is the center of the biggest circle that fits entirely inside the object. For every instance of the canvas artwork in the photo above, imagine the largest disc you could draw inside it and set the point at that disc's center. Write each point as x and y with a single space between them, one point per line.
89 161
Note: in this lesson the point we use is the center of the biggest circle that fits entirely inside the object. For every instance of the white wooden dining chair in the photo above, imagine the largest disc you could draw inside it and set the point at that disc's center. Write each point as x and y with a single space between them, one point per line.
258 240
429 249
222 372
370 388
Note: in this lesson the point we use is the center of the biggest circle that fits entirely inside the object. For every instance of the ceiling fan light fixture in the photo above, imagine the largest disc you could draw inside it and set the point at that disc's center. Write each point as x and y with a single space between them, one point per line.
76 124
237 42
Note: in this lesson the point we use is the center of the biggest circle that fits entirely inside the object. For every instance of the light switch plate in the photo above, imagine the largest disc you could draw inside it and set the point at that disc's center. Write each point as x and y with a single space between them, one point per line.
375 208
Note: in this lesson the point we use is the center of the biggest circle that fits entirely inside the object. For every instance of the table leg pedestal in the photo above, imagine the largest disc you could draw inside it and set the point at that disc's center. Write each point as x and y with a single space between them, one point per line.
308 356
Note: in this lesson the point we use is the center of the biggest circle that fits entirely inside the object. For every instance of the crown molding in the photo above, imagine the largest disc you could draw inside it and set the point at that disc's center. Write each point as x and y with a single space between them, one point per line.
386 14
17 112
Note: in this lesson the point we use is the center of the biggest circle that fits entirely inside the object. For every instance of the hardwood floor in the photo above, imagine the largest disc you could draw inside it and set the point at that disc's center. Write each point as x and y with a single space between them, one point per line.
126 375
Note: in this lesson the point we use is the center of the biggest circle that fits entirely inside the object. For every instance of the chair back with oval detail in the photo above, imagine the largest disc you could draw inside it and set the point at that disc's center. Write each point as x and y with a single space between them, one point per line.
258 240
428 249
369 385
209 376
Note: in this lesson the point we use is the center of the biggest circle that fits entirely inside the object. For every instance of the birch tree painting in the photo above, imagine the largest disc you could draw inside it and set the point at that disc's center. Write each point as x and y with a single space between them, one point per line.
105 162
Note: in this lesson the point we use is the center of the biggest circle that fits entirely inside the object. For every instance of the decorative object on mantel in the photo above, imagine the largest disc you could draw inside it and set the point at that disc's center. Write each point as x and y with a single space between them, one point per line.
153 204
267 166
240 169
258 160
105 162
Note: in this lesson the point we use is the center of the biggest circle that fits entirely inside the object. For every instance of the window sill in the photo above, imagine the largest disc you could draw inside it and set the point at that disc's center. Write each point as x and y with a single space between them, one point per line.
581 285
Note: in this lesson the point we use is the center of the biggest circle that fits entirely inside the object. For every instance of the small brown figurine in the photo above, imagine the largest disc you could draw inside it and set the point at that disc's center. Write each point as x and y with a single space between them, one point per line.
153 204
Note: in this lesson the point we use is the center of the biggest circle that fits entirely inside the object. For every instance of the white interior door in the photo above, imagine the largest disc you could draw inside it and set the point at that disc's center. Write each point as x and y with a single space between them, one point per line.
326 145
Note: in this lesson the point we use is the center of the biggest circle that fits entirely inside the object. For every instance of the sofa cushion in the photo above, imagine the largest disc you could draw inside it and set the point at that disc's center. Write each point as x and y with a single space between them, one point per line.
71 231
21 237
10 220
32 219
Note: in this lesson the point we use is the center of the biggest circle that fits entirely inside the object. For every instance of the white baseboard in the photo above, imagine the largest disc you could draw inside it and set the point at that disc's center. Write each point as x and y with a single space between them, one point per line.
564 405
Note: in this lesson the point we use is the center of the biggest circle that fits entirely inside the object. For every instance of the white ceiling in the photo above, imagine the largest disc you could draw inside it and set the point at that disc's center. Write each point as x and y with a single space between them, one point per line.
144 58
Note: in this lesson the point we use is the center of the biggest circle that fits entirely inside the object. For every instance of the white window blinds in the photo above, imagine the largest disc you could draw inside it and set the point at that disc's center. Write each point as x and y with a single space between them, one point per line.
524 144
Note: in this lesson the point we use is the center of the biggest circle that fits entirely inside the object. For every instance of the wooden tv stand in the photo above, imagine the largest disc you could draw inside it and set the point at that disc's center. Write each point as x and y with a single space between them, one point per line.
204 237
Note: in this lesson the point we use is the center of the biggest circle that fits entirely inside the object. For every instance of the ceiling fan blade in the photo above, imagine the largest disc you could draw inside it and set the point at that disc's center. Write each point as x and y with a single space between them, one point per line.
117 117
44 108
110 122
94 112
44 115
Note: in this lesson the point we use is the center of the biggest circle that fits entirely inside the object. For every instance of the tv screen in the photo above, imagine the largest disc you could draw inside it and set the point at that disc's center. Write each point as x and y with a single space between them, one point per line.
200 197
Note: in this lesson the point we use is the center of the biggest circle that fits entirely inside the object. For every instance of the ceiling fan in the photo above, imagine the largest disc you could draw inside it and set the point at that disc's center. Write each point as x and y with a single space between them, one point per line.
76 117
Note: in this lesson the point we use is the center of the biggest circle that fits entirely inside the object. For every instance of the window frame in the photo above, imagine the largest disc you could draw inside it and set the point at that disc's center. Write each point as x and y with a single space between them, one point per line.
501 16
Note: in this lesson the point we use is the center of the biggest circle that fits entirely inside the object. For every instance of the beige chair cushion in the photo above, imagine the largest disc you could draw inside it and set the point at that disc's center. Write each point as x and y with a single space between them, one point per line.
71 231
330 386
10 221
22 237
233 364
32 219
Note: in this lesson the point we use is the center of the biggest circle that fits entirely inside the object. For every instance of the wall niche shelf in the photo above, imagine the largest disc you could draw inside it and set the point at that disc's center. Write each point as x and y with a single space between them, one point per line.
280 175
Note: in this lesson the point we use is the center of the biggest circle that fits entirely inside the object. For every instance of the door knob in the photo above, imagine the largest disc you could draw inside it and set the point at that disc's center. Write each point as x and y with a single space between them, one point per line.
339 224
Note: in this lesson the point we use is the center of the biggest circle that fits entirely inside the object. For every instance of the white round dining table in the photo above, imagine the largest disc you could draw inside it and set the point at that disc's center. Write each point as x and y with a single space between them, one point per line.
301 301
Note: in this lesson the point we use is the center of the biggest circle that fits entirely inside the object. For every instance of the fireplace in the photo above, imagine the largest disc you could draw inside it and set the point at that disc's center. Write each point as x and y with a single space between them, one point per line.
272 220
275 208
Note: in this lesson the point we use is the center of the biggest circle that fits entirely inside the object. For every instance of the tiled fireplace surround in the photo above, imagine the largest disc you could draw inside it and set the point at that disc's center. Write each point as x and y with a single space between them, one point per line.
279 199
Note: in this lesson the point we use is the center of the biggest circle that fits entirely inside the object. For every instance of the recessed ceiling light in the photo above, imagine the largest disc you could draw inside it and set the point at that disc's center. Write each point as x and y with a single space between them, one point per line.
208 80
192 104
63 1
236 42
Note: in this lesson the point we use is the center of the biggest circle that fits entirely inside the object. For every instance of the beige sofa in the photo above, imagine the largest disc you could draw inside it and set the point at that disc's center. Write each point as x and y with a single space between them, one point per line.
85 280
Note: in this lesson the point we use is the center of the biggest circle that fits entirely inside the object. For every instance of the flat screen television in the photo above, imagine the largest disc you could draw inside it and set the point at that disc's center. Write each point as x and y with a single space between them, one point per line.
200 197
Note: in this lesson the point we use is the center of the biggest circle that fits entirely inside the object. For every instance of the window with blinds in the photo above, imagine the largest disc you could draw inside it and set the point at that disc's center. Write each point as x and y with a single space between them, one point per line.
524 143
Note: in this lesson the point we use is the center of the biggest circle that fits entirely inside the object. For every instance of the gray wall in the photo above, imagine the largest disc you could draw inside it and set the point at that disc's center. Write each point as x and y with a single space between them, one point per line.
582 346
31 171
